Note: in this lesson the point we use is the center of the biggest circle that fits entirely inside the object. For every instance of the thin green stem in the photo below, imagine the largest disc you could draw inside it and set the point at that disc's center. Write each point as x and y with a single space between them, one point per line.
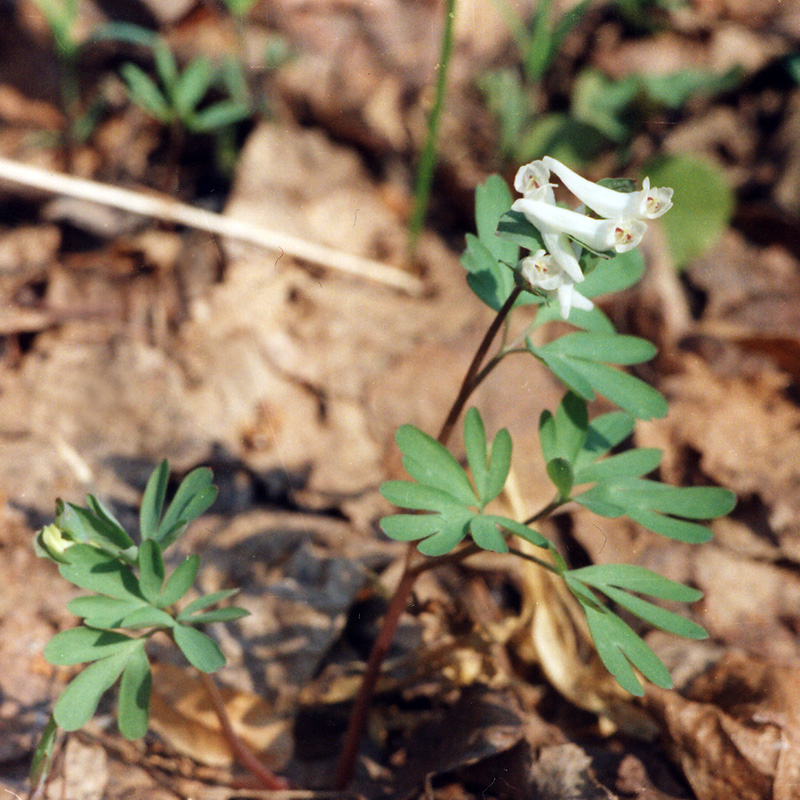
427 162
546 511
539 561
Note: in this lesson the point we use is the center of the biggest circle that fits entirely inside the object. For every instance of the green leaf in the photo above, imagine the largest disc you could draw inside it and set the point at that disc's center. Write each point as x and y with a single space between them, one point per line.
201 651
617 580
145 93
79 700
499 465
99 572
515 227
151 570
431 464
517 528
195 496
604 433
166 65
179 582
227 614
153 501
107 525
644 501
219 115
593 320
560 472
548 440
492 200
205 601
611 348
406 494
475 446
486 535
455 526
410 527
84 525
491 282
192 85
571 424
674 89
147 617
703 205
78 645
571 360
42 757
637 579
619 646
134 695
126 32
561 136
631 464
103 612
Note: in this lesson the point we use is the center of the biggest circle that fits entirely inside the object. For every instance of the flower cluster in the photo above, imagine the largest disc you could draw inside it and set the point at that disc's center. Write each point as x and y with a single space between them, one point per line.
619 226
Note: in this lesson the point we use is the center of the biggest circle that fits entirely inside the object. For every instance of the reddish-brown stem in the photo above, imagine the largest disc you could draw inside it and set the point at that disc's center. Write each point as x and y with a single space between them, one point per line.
397 605
469 384
241 752
358 715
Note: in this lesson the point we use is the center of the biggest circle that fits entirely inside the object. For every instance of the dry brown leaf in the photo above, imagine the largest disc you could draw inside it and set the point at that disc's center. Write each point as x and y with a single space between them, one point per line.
737 733
182 714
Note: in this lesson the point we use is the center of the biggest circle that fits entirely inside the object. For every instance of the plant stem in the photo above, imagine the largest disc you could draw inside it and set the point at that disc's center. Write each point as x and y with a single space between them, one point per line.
535 560
422 188
241 752
397 605
470 382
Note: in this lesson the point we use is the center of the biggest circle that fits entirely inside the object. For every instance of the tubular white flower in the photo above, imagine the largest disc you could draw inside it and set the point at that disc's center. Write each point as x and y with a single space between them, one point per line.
569 297
620 235
533 181
543 272
645 204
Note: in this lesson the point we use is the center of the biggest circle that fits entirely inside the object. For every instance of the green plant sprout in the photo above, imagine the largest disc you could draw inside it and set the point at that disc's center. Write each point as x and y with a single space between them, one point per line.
427 161
132 600
175 99
61 17
527 252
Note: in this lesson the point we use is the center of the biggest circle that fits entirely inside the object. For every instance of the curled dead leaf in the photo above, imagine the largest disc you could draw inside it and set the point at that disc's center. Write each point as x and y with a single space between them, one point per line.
182 714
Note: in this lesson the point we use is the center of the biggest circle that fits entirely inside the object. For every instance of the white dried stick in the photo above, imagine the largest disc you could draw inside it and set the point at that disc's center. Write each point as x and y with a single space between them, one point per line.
169 210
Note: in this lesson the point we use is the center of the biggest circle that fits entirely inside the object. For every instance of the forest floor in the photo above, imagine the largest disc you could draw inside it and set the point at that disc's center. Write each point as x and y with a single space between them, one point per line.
126 339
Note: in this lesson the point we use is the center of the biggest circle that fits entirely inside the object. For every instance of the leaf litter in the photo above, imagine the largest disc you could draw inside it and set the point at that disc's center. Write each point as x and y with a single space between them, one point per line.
119 352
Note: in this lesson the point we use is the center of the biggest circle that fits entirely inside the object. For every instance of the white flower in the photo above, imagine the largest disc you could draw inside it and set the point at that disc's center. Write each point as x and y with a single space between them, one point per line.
543 272
533 181
620 235
645 204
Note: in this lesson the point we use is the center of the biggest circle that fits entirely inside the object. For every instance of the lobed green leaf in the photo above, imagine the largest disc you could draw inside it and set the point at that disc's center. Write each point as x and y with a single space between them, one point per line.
81 644
99 572
153 501
201 651
179 582
205 601
195 496
103 612
79 700
410 527
151 570
560 472
431 464
133 704
499 465
486 535
630 464
475 446
406 494
227 614
145 93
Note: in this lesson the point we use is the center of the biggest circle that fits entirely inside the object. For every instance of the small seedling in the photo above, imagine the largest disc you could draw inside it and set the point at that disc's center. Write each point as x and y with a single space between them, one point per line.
132 599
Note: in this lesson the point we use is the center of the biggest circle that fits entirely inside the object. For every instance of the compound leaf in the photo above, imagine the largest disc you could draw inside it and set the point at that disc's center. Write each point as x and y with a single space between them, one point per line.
134 695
